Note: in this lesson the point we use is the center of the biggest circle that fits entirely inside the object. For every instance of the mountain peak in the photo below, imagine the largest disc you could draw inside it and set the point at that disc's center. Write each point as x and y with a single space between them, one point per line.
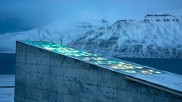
155 36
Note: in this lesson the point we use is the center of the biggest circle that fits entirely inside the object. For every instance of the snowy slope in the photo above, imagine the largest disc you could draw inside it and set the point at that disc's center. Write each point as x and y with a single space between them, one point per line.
60 31
154 36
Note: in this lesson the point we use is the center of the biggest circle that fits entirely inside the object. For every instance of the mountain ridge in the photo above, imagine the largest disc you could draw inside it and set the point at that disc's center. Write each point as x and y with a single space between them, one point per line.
157 35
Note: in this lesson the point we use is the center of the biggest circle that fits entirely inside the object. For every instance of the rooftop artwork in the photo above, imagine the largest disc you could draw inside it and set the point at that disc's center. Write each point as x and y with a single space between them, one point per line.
145 73
116 64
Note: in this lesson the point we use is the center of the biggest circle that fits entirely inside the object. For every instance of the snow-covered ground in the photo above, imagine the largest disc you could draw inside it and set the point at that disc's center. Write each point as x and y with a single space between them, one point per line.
7 83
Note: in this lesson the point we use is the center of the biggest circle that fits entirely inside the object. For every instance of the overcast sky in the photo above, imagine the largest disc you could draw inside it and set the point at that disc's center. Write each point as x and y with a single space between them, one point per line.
18 15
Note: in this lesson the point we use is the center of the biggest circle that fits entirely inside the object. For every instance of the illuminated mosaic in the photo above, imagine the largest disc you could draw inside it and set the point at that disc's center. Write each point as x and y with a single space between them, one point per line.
93 58
115 64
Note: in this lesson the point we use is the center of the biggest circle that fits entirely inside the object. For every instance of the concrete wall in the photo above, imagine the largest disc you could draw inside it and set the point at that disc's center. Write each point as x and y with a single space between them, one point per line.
43 76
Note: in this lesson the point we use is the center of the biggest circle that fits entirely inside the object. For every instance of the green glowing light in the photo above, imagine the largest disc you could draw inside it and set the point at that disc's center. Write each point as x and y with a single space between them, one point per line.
130 71
106 62
94 58
122 65
49 48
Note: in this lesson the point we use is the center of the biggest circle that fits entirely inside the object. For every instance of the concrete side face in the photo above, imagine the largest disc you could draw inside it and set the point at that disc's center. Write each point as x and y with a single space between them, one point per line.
43 76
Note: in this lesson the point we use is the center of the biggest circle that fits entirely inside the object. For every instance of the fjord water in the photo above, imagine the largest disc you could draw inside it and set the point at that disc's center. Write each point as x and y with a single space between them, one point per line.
8 63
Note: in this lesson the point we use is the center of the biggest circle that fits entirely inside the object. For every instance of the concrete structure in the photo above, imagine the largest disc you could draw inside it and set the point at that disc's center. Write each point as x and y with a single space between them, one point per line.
49 72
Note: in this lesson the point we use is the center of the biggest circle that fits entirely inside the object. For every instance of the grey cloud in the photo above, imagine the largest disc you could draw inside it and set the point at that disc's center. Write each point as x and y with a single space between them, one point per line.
40 12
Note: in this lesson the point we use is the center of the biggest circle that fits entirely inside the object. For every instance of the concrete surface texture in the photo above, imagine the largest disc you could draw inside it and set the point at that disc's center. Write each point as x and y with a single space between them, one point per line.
45 76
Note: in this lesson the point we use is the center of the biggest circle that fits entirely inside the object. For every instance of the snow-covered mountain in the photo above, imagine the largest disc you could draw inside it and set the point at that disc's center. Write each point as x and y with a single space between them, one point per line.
60 31
155 36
